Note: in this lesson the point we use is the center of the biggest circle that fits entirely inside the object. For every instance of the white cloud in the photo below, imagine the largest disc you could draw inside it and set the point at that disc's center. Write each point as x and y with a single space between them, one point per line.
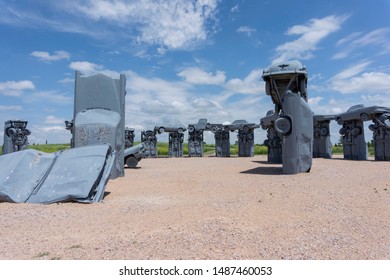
50 133
67 81
47 57
369 82
351 71
357 40
15 88
49 96
85 67
367 87
310 36
54 120
252 84
11 108
175 24
247 30
315 100
348 38
196 75
165 25
235 9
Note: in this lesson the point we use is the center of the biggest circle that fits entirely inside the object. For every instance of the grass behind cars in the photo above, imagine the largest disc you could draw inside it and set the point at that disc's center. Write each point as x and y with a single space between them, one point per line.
209 149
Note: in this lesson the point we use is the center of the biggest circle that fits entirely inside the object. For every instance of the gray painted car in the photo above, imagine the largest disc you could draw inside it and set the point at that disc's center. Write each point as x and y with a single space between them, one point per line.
169 128
134 154
78 174
363 113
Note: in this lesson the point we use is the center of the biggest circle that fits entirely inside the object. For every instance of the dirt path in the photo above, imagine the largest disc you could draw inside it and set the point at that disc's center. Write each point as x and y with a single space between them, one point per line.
214 208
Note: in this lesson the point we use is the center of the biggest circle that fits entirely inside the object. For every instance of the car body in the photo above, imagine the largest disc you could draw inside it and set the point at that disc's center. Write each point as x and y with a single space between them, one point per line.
269 120
360 112
134 154
214 127
240 125
201 125
169 128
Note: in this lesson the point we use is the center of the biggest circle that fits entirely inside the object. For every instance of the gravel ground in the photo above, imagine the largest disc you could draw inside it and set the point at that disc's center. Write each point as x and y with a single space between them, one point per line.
214 208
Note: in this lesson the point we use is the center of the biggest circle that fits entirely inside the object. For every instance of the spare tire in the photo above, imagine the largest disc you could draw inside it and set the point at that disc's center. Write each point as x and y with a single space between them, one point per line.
283 125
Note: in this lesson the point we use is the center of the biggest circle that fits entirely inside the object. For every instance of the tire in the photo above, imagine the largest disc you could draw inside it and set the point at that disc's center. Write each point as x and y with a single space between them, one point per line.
10 131
161 130
214 129
26 131
250 136
364 117
324 131
342 131
339 121
283 125
131 161
356 131
180 130
373 127
191 128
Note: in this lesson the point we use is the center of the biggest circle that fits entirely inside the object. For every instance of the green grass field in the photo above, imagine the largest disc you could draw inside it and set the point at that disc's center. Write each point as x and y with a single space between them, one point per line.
209 149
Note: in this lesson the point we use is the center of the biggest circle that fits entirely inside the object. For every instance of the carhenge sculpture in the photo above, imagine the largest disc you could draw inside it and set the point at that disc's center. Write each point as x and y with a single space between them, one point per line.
222 140
274 139
245 136
286 83
322 146
99 115
176 139
195 138
354 144
149 139
129 137
80 173
15 136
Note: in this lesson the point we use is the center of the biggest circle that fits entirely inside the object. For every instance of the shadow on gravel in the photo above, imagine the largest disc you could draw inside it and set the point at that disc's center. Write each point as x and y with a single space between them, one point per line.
264 170
106 193
265 162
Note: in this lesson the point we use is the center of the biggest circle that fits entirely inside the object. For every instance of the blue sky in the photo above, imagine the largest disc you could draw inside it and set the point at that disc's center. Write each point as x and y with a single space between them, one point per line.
186 60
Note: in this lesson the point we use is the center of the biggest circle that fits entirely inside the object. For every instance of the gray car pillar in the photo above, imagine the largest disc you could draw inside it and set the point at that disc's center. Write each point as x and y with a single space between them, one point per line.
149 139
129 137
355 146
222 140
99 115
195 143
381 136
354 143
176 140
15 136
296 126
322 146
274 139
195 138
286 83
222 143
246 142
245 136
